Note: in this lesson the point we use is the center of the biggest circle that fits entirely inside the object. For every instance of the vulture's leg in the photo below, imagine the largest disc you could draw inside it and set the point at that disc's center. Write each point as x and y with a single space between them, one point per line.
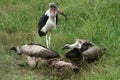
49 38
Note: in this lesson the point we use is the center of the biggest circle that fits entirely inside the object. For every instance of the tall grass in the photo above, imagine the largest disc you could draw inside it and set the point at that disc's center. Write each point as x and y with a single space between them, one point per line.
95 20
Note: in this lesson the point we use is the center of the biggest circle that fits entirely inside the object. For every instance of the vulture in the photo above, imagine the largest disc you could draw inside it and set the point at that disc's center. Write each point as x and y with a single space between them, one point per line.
88 52
35 52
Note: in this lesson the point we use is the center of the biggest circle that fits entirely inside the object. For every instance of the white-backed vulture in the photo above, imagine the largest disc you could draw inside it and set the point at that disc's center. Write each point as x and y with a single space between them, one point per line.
35 52
89 52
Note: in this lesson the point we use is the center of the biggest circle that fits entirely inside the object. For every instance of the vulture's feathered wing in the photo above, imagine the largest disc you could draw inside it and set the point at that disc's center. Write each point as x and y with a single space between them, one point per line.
38 50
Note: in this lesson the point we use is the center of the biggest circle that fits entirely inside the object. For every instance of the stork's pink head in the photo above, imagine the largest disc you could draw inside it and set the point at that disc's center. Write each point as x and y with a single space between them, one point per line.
54 9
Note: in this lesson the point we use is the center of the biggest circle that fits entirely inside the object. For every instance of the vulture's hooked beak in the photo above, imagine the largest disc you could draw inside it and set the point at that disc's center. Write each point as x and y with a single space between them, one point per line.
65 47
13 48
16 50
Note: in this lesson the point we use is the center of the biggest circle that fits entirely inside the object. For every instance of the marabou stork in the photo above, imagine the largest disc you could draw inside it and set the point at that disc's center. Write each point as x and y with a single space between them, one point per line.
48 22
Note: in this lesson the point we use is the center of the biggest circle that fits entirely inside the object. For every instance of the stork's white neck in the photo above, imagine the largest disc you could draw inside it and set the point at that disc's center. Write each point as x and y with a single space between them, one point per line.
50 13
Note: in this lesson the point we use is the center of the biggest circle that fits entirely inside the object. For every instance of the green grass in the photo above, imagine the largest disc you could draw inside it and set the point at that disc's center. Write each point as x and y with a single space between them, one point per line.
95 20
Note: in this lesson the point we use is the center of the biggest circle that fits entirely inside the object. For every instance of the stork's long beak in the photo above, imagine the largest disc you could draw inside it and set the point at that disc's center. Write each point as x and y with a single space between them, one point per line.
52 5
62 13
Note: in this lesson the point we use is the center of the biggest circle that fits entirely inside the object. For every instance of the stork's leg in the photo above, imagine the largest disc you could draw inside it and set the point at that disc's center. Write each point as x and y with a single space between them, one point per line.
47 41
49 38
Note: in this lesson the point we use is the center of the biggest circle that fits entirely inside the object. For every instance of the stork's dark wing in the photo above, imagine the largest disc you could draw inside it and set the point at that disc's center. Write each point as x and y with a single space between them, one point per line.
42 21
56 18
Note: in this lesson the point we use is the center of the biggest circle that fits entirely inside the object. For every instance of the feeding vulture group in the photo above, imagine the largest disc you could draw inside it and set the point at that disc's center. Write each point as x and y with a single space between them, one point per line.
77 53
